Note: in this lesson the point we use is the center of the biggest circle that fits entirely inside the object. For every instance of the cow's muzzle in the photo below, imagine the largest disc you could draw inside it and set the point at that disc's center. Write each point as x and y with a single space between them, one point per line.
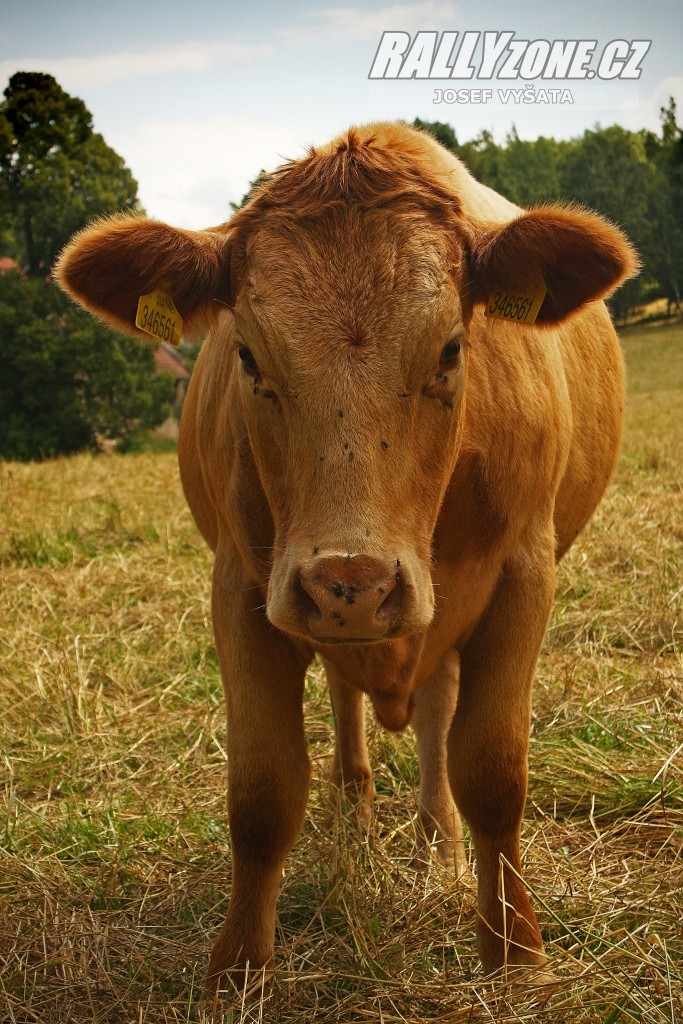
351 597
327 597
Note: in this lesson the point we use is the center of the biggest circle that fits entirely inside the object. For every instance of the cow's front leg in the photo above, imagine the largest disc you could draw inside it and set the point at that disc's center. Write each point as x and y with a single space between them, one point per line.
439 826
487 753
351 785
268 767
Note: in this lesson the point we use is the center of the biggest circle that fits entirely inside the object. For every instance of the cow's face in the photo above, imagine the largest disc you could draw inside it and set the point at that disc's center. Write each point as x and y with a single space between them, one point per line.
351 349
351 280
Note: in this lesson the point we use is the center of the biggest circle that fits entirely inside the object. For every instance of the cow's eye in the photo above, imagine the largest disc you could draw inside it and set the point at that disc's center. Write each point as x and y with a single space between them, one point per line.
247 358
449 353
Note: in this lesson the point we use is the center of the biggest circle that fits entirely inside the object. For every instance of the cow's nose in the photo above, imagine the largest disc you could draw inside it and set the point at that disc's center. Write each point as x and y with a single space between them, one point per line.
351 597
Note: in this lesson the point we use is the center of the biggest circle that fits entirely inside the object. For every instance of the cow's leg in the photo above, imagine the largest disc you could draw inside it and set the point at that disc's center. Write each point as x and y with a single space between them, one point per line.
487 752
268 768
351 787
439 825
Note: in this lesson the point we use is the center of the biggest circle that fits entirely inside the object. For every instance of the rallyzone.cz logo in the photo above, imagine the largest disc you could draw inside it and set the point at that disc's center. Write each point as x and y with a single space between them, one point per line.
487 55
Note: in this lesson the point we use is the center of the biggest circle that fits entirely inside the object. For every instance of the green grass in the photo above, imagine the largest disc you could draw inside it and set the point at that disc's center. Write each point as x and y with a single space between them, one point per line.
114 849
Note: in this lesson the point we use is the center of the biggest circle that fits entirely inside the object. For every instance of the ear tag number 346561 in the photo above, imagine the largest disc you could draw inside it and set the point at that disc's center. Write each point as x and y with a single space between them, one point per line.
158 317
519 306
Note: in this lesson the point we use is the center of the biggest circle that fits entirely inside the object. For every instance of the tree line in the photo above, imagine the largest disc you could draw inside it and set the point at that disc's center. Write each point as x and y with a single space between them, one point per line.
67 380
633 178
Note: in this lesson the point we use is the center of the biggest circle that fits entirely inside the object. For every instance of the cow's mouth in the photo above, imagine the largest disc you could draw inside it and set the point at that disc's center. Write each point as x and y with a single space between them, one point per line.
337 641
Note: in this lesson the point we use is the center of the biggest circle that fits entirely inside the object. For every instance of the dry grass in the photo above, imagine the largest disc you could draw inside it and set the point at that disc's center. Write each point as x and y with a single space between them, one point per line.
113 836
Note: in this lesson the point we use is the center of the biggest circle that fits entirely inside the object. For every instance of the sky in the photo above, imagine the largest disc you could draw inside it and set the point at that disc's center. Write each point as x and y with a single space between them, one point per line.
198 97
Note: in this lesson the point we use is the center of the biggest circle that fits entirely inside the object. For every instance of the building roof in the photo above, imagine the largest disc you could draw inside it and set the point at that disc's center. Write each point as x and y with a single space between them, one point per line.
168 360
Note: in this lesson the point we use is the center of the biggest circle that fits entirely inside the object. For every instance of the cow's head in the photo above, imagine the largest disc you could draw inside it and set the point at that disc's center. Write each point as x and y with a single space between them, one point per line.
352 280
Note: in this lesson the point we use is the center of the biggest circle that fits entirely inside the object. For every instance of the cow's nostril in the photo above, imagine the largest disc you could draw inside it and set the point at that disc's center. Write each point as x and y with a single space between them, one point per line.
392 606
307 606
365 595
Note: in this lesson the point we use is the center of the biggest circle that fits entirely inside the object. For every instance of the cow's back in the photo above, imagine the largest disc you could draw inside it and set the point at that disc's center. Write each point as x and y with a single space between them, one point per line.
594 370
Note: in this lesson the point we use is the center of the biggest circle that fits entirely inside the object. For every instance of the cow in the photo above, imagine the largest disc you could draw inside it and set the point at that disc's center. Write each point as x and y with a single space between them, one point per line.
407 407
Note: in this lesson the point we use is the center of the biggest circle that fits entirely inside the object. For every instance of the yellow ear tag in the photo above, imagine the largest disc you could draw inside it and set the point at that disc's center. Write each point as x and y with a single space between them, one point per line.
158 316
519 306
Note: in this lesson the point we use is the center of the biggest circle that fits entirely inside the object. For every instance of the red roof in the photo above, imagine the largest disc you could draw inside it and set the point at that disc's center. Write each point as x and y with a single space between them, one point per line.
168 360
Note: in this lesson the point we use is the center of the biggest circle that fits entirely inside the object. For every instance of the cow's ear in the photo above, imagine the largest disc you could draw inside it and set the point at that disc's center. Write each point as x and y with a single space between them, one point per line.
109 265
577 255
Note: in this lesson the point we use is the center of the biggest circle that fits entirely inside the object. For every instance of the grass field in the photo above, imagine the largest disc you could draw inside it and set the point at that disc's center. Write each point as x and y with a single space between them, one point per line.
113 835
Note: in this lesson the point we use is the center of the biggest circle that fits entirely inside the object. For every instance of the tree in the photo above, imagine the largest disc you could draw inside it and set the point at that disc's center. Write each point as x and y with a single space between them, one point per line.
530 169
609 171
56 173
441 131
261 178
65 378
664 251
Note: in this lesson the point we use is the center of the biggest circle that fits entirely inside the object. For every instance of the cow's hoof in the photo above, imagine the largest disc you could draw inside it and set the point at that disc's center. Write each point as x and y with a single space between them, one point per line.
242 984
527 977
350 807
442 854
438 849
230 973
527 988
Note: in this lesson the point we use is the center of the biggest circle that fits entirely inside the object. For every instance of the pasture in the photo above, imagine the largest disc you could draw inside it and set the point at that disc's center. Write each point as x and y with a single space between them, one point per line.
114 850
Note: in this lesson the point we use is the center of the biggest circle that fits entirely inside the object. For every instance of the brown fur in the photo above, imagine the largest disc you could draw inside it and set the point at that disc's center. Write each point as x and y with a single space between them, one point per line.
360 482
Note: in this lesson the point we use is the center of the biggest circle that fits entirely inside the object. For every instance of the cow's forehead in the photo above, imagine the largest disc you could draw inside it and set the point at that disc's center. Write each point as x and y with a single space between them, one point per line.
353 274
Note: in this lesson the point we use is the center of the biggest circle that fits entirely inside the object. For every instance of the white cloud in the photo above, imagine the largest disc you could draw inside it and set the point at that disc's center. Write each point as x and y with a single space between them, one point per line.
370 24
214 160
76 74
646 113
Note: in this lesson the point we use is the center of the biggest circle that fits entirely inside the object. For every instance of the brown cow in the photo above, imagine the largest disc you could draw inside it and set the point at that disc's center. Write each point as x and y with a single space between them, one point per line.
386 476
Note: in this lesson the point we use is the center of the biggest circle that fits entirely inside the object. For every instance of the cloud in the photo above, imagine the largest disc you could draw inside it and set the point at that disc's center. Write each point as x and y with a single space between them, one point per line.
222 155
646 112
78 73
369 24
